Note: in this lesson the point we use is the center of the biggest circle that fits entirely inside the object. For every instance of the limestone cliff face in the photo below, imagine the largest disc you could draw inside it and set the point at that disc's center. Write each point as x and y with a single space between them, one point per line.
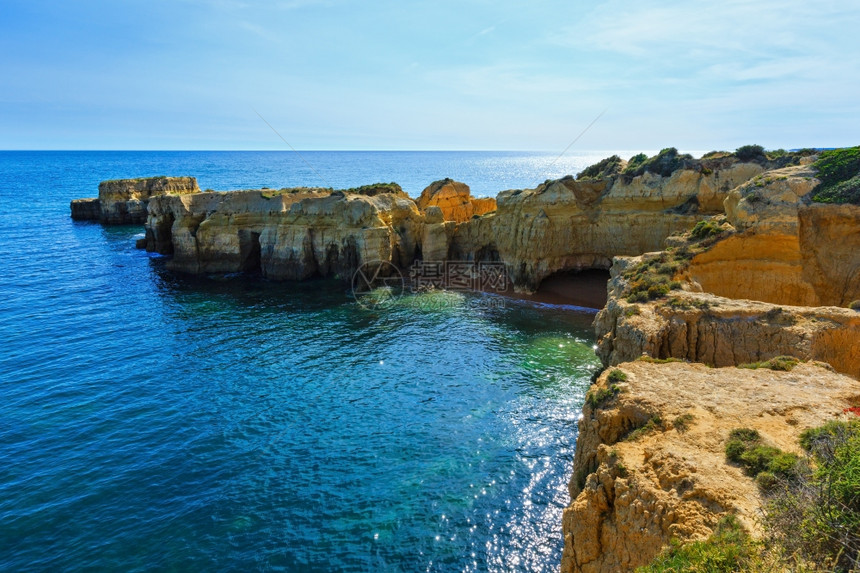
124 201
768 203
455 201
570 224
562 225
829 237
748 294
632 495
293 234
790 251
720 331
86 209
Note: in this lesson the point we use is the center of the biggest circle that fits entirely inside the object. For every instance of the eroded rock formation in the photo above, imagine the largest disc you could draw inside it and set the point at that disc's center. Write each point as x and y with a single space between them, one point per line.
455 201
291 234
742 291
632 494
719 331
124 201
563 225
570 224
789 250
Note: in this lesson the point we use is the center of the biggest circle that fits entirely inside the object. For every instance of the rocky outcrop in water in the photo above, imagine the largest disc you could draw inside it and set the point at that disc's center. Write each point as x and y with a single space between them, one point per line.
615 208
292 234
124 201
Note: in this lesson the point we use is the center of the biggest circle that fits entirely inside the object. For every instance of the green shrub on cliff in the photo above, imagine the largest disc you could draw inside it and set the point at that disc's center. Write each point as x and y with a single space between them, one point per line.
839 172
602 169
730 548
597 398
750 153
746 448
664 163
655 423
816 515
617 376
705 229
635 163
376 189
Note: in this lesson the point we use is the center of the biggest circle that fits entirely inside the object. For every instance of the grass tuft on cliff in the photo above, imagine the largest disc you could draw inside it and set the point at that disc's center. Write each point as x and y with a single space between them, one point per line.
654 424
767 464
839 172
780 363
600 397
730 548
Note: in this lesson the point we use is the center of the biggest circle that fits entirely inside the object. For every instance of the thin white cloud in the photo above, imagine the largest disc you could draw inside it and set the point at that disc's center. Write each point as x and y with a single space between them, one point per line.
259 31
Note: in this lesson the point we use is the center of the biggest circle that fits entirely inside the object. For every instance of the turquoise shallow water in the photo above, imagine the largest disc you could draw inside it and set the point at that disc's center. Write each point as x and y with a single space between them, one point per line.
227 423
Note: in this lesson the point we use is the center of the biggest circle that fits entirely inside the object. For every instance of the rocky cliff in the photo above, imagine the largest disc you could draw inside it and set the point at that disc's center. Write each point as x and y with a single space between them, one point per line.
124 201
562 225
454 200
289 234
738 290
571 224
612 209
650 456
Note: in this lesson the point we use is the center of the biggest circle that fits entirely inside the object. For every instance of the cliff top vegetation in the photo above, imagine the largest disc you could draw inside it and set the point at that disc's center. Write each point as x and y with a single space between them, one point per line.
670 160
839 172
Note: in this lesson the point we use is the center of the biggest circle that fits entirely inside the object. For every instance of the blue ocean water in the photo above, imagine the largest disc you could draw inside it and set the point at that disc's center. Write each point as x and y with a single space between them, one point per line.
154 421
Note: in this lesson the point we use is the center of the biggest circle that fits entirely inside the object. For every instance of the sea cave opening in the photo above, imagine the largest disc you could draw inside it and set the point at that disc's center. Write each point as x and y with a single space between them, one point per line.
586 288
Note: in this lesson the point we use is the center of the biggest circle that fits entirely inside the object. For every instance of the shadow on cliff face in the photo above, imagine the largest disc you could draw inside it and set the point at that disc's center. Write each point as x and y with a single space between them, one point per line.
585 288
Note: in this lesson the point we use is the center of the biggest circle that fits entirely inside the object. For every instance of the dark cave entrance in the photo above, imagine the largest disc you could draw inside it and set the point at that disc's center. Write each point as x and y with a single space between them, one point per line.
586 288
249 252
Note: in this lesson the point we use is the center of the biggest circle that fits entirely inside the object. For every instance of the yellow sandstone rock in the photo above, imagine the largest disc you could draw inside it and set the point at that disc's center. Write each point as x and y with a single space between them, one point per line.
632 496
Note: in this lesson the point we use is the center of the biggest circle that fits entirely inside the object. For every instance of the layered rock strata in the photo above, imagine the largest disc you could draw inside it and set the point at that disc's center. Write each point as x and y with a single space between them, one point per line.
292 234
719 331
561 226
571 224
124 201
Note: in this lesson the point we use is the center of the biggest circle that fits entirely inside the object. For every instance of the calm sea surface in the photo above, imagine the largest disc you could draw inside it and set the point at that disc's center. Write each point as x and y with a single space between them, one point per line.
149 420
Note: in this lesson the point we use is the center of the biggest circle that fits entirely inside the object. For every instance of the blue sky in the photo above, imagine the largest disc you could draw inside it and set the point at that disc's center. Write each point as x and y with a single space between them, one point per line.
470 74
